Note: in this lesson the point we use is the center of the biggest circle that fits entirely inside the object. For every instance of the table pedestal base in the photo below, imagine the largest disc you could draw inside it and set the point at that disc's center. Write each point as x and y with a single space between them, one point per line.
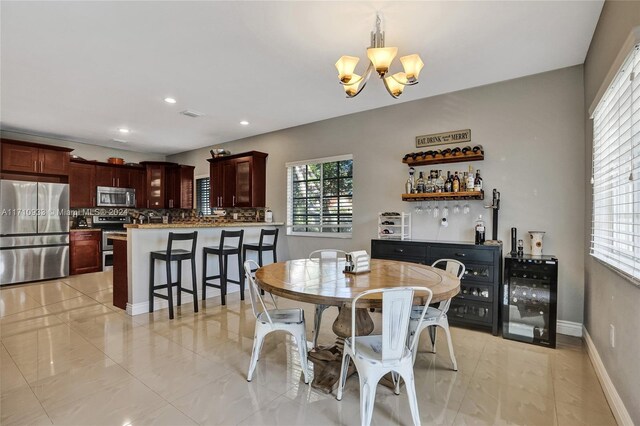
327 360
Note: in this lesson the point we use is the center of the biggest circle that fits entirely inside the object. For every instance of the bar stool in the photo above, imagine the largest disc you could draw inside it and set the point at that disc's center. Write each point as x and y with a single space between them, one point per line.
263 246
168 256
223 251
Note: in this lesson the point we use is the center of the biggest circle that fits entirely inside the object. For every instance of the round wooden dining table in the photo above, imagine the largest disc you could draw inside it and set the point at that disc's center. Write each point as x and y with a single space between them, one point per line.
324 282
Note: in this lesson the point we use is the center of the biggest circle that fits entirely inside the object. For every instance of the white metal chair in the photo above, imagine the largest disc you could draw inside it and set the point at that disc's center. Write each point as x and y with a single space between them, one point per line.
436 317
322 255
376 355
269 320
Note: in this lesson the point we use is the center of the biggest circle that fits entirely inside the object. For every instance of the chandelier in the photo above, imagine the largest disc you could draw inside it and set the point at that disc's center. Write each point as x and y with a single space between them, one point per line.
380 58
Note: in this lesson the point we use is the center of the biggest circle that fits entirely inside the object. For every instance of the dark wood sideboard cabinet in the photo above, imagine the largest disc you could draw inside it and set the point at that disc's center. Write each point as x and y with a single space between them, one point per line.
478 303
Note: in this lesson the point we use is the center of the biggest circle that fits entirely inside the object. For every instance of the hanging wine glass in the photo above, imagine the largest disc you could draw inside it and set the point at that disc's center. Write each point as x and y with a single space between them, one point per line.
418 208
465 208
436 210
429 208
445 211
456 209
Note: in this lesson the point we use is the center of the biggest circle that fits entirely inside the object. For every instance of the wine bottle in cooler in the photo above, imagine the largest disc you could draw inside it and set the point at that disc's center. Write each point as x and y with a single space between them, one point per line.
480 230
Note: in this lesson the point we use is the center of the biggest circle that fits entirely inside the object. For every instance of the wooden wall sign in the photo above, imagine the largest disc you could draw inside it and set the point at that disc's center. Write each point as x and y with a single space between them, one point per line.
456 136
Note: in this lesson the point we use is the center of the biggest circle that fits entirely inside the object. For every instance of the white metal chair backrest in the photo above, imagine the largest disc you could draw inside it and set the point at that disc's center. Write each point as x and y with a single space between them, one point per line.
327 254
454 267
396 311
257 303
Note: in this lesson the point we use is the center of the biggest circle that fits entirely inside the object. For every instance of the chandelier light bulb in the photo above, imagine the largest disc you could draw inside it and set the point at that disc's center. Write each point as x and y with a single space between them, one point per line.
346 65
352 89
394 84
412 65
381 58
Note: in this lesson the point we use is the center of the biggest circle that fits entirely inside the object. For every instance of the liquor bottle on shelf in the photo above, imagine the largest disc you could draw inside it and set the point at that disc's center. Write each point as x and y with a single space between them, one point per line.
448 183
420 184
455 185
440 182
477 183
463 182
470 180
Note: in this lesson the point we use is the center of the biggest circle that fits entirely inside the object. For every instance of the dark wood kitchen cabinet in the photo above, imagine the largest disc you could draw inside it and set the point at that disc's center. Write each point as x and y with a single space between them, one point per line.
82 184
238 180
180 187
478 303
35 159
84 248
115 176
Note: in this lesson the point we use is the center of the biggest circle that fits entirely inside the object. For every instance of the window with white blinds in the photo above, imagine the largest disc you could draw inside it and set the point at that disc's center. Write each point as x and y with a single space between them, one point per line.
320 197
615 237
202 196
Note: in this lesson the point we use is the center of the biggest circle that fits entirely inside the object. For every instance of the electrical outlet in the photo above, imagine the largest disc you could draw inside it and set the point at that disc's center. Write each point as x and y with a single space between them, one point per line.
612 335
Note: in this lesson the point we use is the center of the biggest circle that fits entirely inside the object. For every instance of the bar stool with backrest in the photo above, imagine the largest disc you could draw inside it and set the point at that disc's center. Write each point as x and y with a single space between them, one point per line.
323 255
174 255
264 245
223 251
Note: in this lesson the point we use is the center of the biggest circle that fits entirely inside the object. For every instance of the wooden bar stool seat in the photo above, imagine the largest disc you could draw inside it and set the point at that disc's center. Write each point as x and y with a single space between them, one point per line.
174 255
223 251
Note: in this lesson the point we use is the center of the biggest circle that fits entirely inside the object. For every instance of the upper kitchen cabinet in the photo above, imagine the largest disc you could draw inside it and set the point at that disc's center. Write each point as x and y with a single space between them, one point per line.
116 176
34 159
180 187
82 181
238 180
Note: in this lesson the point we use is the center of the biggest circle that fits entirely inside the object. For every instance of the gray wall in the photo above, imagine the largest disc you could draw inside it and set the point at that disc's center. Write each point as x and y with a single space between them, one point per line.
532 130
86 151
609 298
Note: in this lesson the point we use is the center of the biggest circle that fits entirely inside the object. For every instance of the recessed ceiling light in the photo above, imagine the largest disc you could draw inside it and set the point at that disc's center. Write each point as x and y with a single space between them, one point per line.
123 130
170 100
244 122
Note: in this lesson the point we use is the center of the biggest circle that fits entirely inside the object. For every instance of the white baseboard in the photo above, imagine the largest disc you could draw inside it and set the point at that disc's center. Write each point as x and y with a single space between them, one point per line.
569 328
143 307
615 402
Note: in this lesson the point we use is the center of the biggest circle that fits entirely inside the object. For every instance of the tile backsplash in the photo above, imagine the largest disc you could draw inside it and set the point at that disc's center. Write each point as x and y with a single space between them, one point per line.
176 215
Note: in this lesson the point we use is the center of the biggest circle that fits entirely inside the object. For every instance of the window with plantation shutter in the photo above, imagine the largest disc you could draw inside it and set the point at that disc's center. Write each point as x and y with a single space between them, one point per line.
615 237
320 197
202 196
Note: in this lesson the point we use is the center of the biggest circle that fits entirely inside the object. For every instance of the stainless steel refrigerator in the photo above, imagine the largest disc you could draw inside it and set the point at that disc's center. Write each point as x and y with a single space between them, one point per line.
34 231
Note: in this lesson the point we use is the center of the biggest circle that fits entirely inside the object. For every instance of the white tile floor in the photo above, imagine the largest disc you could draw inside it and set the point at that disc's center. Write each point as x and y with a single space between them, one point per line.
70 357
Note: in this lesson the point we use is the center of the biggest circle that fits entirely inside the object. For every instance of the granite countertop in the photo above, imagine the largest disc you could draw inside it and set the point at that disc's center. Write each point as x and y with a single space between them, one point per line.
118 236
201 225
84 229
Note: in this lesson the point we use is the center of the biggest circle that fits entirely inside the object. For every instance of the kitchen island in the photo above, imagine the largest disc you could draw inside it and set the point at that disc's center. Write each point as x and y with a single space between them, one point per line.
141 239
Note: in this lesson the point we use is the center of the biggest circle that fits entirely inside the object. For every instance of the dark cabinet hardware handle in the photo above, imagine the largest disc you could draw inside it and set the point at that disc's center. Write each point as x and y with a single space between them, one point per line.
461 254
399 250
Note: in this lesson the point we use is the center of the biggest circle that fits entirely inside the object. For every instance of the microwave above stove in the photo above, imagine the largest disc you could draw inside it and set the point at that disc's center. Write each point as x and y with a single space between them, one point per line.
116 197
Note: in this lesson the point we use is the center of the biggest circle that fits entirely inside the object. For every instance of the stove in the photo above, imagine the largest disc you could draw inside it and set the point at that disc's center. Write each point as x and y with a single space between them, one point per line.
109 226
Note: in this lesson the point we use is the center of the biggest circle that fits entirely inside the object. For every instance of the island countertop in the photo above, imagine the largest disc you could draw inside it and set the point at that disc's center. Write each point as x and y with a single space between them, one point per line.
200 225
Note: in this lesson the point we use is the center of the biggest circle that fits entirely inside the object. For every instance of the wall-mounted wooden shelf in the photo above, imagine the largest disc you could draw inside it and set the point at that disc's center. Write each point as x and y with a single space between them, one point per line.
436 196
440 159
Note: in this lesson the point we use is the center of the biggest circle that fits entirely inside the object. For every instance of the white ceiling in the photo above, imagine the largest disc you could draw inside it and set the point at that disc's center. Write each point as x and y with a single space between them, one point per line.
81 70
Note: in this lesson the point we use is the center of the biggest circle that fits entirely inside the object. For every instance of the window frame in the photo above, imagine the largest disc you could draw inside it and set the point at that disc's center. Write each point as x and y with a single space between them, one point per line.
613 161
289 201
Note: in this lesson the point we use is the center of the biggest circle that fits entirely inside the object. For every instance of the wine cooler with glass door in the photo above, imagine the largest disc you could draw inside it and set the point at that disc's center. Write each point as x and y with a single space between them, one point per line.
530 299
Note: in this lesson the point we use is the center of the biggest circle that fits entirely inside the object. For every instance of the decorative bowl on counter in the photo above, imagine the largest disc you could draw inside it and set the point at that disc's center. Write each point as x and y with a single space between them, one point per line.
115 160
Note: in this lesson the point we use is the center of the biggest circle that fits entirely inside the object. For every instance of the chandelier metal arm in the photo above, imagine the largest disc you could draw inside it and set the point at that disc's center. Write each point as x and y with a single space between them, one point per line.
364 79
